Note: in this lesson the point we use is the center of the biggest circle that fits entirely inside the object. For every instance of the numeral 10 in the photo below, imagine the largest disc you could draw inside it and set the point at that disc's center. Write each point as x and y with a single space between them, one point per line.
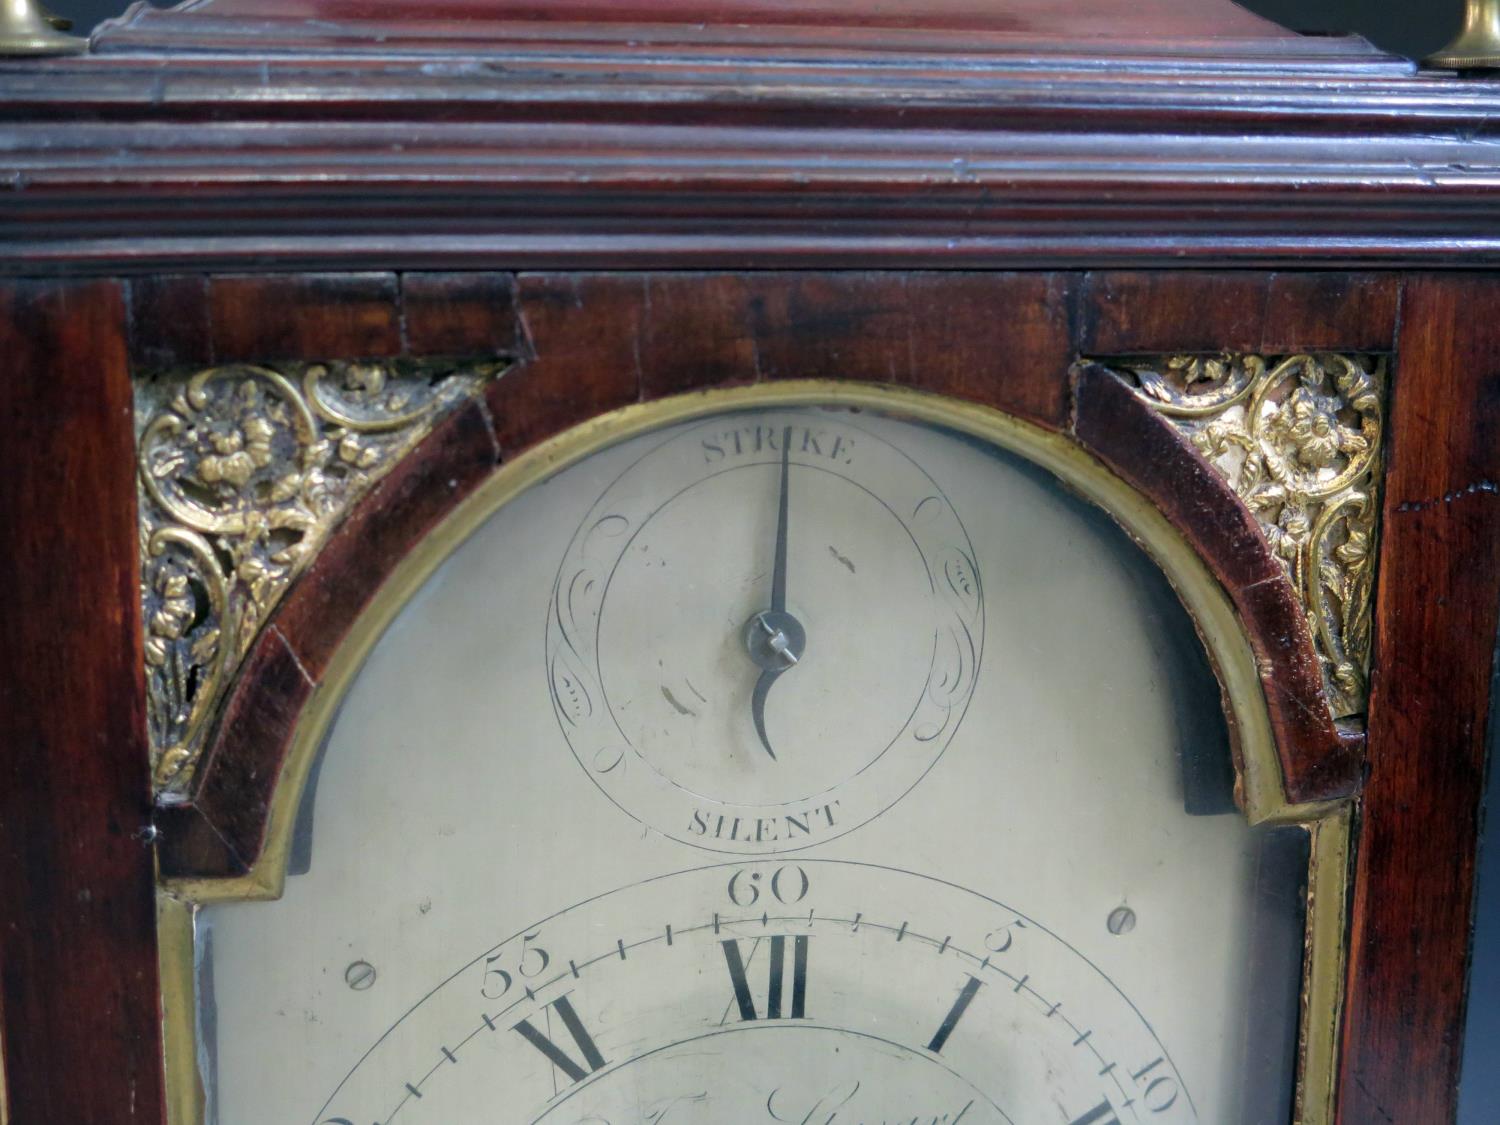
1158 1093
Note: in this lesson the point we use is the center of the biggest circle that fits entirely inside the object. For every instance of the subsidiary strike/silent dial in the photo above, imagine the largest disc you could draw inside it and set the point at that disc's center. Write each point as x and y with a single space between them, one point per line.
765 631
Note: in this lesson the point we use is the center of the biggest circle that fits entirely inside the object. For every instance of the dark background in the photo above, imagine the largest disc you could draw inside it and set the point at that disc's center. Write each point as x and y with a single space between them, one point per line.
1404 27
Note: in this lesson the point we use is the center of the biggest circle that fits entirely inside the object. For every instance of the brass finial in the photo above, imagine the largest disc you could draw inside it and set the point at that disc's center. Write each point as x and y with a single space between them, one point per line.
26 28
1477 46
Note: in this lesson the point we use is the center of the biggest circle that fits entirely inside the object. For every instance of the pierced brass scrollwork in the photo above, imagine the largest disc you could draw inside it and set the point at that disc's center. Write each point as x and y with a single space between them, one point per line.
1298 438
244 471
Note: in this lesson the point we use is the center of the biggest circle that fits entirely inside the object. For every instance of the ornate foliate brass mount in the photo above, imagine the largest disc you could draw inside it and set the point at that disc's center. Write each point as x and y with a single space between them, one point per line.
244 471
1298 438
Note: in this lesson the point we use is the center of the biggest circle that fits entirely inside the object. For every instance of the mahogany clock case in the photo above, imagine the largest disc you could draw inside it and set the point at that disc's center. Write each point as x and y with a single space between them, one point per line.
611 339
625 216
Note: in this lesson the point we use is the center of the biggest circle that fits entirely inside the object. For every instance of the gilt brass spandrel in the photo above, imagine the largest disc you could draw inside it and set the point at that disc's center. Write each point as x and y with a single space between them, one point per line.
1299 440
244 470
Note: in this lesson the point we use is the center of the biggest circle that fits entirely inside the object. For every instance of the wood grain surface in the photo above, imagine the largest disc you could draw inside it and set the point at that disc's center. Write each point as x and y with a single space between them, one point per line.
332 134
1435 627
1163 19
78 967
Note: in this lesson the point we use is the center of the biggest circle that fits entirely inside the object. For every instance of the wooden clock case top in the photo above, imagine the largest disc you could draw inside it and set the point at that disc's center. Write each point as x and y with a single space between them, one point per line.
639 199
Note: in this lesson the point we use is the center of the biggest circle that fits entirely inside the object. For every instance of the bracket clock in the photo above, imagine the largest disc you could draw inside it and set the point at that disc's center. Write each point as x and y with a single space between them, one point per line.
741 562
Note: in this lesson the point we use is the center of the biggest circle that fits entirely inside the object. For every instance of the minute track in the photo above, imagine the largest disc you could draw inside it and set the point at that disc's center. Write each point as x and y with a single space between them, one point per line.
750 926
984 963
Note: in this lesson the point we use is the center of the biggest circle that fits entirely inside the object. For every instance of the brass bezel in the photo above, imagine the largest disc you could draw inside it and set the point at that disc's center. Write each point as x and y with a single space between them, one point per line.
1218 626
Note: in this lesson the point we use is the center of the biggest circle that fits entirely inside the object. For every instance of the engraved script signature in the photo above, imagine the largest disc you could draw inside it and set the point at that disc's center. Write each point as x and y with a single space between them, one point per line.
839 1106
657 1113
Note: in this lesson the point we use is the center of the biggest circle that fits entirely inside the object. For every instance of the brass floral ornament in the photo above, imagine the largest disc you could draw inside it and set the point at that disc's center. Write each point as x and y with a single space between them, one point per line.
244 471
1299 440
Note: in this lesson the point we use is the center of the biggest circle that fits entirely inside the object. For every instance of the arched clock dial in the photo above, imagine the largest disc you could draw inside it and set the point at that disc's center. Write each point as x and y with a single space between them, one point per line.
788 763
765 682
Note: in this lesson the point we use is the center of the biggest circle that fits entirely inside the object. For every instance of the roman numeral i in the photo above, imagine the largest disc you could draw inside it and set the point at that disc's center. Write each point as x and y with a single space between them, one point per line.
1101 1114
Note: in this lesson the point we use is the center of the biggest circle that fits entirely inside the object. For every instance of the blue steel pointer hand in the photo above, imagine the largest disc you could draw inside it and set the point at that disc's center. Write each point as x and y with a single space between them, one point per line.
758 706
774 637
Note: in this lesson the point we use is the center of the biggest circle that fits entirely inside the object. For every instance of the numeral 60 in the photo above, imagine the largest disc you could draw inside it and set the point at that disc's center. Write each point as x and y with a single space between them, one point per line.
789 886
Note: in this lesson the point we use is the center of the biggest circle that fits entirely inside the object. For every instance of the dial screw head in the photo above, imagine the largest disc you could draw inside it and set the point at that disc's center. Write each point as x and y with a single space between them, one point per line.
1121 920
360 975
775 639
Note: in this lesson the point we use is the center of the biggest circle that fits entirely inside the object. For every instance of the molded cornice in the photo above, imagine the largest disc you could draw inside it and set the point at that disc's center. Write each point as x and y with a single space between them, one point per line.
563 145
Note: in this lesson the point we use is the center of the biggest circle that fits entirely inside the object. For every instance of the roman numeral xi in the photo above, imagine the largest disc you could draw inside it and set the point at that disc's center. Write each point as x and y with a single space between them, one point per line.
582 1041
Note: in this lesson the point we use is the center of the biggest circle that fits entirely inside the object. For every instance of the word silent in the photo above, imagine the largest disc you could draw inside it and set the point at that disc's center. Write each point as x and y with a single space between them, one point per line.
763 829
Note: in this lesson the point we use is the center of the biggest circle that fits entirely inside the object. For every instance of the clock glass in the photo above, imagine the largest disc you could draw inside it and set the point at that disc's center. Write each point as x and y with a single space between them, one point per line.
782 762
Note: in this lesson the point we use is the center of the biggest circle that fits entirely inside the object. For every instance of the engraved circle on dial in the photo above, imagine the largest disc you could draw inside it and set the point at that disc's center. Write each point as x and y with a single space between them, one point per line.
646 648
781 989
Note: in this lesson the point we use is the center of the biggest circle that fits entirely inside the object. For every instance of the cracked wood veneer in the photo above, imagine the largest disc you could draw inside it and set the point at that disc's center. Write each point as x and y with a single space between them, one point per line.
1437 607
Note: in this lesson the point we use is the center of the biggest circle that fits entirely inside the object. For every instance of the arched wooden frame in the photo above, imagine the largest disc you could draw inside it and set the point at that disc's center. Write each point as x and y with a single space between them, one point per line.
267 735
221 831
230 838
